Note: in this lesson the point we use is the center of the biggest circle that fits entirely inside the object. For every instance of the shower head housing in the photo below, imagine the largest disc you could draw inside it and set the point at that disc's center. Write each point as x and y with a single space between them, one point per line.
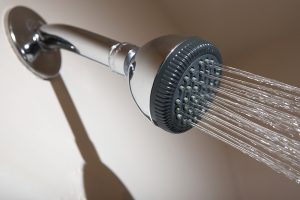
169 77
170 80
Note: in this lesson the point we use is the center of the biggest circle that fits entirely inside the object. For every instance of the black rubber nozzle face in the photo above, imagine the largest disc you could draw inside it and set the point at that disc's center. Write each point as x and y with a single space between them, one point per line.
184 85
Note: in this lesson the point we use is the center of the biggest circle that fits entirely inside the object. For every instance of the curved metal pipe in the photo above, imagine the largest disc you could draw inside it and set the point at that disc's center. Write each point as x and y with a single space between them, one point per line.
37 44
106 51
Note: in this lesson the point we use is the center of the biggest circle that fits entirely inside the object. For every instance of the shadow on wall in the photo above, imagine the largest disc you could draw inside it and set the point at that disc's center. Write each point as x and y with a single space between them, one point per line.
99 181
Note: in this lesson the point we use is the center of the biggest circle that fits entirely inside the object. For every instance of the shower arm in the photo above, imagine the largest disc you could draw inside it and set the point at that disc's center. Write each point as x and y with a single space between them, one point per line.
49 38
116 55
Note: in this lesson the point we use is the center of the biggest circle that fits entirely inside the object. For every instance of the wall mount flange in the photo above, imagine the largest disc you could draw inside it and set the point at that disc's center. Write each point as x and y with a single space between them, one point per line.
22 25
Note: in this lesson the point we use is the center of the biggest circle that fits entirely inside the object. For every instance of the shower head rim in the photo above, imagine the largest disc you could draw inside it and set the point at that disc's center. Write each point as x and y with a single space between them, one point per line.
170 75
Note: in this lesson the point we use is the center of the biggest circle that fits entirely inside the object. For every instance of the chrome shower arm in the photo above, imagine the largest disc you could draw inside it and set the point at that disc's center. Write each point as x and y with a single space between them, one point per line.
106 51
37 44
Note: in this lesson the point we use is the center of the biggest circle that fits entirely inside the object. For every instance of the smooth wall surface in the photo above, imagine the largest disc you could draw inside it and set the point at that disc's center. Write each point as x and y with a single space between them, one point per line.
82 136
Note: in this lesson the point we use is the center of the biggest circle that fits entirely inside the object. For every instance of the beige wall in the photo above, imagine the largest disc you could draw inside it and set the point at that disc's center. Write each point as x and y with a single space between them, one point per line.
81 135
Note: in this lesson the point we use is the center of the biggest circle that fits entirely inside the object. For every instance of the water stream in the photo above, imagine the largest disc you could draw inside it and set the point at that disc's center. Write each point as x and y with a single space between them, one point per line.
256 115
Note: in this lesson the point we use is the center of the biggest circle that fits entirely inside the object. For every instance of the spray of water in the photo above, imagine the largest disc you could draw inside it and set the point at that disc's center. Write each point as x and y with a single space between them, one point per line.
254 114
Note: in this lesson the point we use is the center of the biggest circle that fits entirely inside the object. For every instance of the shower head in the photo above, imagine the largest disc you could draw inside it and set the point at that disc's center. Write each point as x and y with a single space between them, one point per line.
167 76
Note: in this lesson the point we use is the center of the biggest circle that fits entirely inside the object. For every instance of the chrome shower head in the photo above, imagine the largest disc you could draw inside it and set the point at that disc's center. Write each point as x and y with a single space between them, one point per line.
167 76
